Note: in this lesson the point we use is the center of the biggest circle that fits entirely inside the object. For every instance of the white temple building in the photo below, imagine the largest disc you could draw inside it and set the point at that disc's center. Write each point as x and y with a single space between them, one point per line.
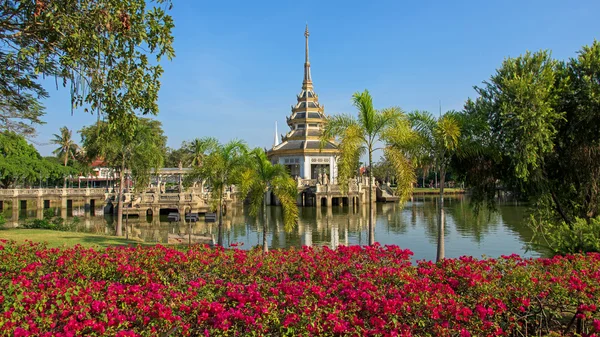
300 149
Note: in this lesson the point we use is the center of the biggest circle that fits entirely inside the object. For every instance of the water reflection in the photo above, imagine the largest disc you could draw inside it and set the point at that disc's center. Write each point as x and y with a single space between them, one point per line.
412 225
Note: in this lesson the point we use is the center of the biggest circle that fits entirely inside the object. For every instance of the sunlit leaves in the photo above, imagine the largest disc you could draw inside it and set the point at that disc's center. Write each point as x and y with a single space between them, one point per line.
361 135
101 50
261 176
20 163
521 97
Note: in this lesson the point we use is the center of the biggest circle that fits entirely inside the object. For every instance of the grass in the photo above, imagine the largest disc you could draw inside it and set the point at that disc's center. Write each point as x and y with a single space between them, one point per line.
59 239
427 190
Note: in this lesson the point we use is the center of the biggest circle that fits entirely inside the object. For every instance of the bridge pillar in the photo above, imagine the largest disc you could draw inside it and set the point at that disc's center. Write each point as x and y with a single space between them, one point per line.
329 201
15 211
156 212
86 204
39 203
92 207
39 213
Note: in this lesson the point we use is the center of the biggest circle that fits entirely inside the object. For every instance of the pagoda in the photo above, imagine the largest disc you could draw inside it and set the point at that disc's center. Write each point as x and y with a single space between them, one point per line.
300 149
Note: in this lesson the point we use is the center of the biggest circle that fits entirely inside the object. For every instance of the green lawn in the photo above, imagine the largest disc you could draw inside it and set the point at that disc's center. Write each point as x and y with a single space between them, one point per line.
58 238
426 190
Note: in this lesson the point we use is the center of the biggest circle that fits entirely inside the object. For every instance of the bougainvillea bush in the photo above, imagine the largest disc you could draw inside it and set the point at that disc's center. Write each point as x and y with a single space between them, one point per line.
352 291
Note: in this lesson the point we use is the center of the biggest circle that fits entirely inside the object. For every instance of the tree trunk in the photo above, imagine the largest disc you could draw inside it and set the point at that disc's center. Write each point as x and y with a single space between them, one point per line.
265 244
371 228
441 218
120 203
66 161
220 232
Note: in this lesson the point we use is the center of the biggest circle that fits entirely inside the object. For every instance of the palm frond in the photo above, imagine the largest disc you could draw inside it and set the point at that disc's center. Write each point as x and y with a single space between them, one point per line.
351 147
447 131
423 123
285 189
386 117
404 172
335 126
366 112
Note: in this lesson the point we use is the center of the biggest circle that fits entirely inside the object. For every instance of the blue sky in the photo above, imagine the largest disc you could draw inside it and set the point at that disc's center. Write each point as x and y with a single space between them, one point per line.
239 64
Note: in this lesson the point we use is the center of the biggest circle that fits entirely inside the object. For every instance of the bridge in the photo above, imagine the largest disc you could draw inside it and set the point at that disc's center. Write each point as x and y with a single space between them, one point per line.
149 202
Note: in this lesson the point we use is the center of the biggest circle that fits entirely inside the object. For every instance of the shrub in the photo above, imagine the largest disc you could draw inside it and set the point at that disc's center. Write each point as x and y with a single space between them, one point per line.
581 236
354 291
53 223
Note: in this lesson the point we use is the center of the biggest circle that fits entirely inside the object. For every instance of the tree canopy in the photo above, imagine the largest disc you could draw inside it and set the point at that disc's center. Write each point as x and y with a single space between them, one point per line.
100 49
221 167
21 164
538 120
138 151
361 135
261 176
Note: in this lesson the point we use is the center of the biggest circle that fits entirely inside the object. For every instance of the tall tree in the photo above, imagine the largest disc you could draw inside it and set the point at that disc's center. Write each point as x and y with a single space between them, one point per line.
439 141
138 152
21 163
358 136
100 49
198 149
221 168
67 148
542 131
261 177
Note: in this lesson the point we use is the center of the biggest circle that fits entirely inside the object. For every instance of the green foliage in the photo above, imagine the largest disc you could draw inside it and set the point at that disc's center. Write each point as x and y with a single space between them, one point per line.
261 176
139 151
561 238
538 123
221 167
197 149
100 49
519 100
2 221
135 144
52 222
437 139
174 156
21 164
67 148
357 136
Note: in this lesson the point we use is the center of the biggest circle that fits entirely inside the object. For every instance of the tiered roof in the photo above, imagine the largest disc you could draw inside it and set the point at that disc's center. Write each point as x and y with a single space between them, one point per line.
306 121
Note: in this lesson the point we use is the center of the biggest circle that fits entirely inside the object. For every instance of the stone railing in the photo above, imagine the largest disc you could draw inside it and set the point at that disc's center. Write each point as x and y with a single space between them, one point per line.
23 192
169 197
307 182
333 188
352 188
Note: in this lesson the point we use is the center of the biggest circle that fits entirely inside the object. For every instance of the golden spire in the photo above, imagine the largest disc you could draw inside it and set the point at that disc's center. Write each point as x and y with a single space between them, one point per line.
307 78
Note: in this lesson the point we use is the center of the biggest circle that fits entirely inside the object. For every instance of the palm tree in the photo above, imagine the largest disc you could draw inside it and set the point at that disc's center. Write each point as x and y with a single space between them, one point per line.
67 148
259 178
220 168
439 139
198 148
362 135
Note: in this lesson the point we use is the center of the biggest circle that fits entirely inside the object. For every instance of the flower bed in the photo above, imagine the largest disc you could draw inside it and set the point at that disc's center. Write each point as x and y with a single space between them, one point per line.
368 291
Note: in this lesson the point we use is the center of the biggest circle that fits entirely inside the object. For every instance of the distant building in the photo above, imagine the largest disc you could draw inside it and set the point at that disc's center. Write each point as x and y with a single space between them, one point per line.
99 177
300 149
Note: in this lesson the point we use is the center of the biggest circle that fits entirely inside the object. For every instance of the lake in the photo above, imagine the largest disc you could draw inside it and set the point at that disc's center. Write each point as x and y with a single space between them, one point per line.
412 226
